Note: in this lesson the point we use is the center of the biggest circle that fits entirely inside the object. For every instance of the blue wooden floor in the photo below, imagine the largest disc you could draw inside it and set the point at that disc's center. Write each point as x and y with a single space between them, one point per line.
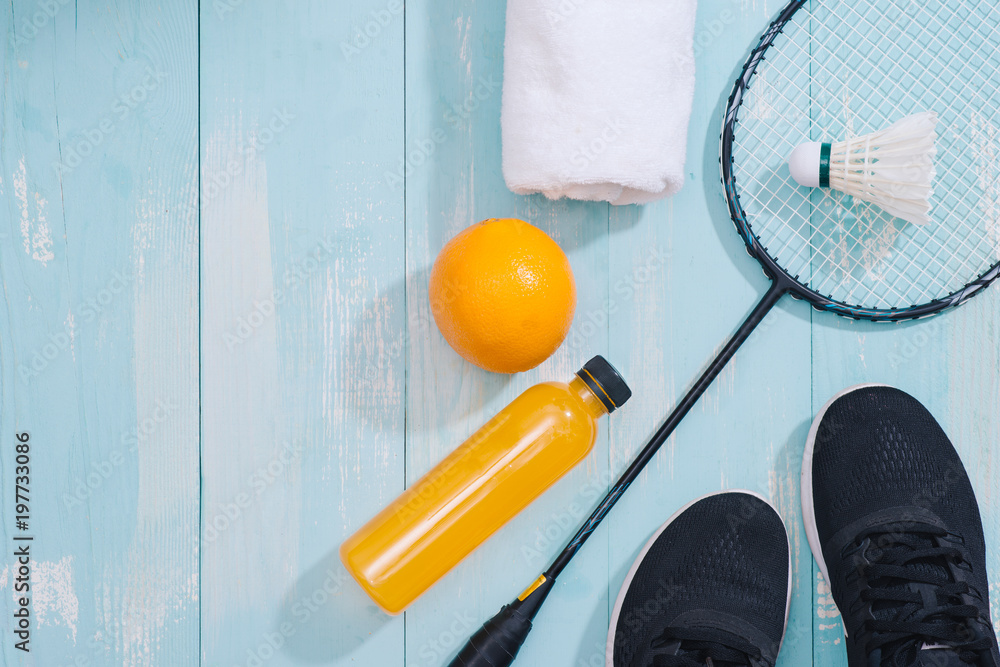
216 228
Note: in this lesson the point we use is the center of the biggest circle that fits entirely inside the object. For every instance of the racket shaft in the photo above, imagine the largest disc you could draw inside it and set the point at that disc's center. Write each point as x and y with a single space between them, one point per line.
777 290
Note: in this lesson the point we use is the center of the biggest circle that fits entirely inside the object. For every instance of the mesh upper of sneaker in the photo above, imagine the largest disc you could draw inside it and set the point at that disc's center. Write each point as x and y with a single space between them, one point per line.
727 553
877 448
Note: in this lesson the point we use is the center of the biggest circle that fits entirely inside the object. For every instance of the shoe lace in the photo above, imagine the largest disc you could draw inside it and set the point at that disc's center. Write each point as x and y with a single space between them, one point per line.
914 599
699 647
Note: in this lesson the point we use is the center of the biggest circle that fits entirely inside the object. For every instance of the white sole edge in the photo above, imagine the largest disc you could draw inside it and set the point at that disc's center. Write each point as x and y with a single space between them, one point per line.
808 508
610 645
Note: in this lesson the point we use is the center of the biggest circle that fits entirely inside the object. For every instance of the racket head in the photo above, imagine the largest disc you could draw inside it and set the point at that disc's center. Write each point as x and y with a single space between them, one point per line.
828 70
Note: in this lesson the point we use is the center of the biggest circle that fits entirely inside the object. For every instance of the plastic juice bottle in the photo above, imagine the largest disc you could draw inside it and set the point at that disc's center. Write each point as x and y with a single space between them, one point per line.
481 485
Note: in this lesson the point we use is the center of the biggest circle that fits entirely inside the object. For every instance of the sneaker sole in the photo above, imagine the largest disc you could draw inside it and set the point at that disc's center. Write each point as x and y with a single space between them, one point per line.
808 508
610 645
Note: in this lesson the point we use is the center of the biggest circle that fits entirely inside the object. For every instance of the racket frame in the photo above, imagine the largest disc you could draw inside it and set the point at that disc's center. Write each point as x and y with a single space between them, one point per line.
759 252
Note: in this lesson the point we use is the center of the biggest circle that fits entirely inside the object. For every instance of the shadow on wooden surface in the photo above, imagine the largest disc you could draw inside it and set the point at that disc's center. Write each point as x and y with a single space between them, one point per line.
325 597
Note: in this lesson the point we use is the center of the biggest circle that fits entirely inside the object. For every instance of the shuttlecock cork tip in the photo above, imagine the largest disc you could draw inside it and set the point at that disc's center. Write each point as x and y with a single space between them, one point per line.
804 164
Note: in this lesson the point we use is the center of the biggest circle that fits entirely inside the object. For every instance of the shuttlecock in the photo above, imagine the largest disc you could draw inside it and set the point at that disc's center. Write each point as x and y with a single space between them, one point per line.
892 168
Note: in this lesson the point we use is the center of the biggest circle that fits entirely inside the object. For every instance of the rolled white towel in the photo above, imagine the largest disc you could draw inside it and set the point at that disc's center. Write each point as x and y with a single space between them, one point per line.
597 98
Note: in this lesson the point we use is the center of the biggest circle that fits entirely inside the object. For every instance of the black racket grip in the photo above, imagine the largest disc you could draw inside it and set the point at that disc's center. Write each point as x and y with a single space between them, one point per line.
496 643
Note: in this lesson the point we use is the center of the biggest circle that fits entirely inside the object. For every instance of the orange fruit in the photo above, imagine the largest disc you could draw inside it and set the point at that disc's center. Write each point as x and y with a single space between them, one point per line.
503 295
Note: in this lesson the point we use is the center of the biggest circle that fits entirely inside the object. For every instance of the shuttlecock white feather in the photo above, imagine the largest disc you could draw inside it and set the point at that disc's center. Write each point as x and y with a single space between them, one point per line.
892 168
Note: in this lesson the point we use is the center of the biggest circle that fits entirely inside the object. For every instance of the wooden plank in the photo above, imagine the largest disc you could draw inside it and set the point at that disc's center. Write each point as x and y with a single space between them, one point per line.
453 74
98 329
303 320
674 314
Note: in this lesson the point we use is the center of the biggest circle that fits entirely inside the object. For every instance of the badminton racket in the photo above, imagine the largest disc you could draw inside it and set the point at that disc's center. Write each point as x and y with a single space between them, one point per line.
824 71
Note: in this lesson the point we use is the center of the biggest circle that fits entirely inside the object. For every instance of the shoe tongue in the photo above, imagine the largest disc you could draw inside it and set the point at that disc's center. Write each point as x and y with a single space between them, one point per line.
938 657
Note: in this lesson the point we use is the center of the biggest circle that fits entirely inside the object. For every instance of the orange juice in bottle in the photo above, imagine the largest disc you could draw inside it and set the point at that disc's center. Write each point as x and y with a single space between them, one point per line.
476 489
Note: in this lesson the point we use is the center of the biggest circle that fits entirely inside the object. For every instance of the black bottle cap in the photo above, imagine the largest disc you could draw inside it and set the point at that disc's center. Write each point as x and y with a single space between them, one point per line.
606 382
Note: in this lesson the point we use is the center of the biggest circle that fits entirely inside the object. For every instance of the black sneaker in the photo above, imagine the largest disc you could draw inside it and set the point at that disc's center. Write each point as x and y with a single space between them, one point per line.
893 523
711 587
